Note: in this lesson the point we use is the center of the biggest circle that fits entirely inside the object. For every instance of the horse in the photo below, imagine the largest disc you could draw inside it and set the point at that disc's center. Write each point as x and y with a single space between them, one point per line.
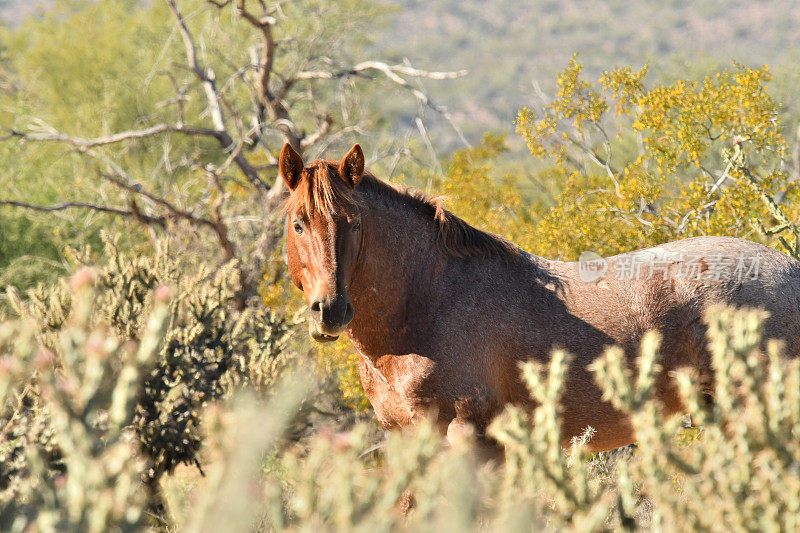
442 313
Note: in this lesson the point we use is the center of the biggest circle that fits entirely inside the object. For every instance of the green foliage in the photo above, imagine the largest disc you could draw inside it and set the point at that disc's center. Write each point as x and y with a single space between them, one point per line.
85 86
677 160
735 473
87 397
632 166
207 350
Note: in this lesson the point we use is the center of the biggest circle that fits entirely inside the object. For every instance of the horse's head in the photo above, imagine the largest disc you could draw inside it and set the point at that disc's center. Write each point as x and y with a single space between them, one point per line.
324 235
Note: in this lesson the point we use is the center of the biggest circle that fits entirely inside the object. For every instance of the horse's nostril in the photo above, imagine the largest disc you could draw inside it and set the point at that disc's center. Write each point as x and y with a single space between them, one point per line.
332 314
348 313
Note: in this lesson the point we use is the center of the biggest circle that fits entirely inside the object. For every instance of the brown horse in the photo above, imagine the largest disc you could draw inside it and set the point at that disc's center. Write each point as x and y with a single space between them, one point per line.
443 313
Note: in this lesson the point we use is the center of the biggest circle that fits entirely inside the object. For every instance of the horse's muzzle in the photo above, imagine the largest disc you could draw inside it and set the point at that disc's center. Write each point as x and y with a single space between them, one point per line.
329 318
317 335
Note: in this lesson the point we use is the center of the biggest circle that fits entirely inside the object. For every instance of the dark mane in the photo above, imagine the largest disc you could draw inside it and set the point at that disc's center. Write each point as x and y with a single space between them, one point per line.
325 191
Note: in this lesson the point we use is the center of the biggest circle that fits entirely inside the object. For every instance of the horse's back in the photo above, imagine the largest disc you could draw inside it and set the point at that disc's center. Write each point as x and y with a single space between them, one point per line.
493 314
668 288
725 271
671 287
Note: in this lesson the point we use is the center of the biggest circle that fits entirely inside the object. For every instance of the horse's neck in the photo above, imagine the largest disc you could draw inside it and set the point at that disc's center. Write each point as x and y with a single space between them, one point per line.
396 265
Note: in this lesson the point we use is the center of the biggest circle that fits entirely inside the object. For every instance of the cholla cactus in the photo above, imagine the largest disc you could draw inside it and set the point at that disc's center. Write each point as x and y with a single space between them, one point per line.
208 348
89 394
739 472
743 472
103 383
538 470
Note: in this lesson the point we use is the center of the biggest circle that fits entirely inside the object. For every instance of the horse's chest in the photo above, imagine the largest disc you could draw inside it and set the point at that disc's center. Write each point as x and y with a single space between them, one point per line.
394 386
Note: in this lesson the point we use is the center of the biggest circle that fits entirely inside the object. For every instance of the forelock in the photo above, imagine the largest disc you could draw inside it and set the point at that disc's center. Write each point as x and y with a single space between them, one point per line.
321 191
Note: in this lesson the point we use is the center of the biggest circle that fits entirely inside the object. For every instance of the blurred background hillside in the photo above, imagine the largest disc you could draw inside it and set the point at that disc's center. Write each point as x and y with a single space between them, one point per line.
506 46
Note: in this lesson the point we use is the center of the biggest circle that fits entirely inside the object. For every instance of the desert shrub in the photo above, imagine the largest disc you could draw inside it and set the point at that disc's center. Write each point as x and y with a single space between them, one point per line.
208 349
650 164
622 163
737 471
74 455
67 416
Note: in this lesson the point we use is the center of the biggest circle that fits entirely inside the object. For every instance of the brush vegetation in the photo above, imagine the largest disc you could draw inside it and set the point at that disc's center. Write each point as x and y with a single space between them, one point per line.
96 418
155 368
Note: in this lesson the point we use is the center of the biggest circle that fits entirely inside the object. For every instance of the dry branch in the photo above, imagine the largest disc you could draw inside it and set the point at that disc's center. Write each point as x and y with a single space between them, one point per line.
81 143
63 206
207 79
236 128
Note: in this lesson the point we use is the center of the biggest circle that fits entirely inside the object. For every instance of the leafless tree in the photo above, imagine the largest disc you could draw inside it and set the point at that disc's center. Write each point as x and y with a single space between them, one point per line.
259 126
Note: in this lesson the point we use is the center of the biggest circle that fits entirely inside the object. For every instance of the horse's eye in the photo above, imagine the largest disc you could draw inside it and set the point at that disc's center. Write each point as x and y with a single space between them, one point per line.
298 228
356 226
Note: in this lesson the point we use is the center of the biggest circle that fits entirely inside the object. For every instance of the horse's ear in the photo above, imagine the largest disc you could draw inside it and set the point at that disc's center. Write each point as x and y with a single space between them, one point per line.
291 166
352 166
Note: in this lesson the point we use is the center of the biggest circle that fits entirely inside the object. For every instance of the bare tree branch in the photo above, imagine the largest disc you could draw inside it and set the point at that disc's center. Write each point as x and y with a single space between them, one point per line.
206 77
217 226
604 163
63 206
271 106
322 131
81 143
392 73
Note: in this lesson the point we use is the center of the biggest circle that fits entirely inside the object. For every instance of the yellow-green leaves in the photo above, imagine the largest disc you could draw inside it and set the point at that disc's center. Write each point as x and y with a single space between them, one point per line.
659 169
577 103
